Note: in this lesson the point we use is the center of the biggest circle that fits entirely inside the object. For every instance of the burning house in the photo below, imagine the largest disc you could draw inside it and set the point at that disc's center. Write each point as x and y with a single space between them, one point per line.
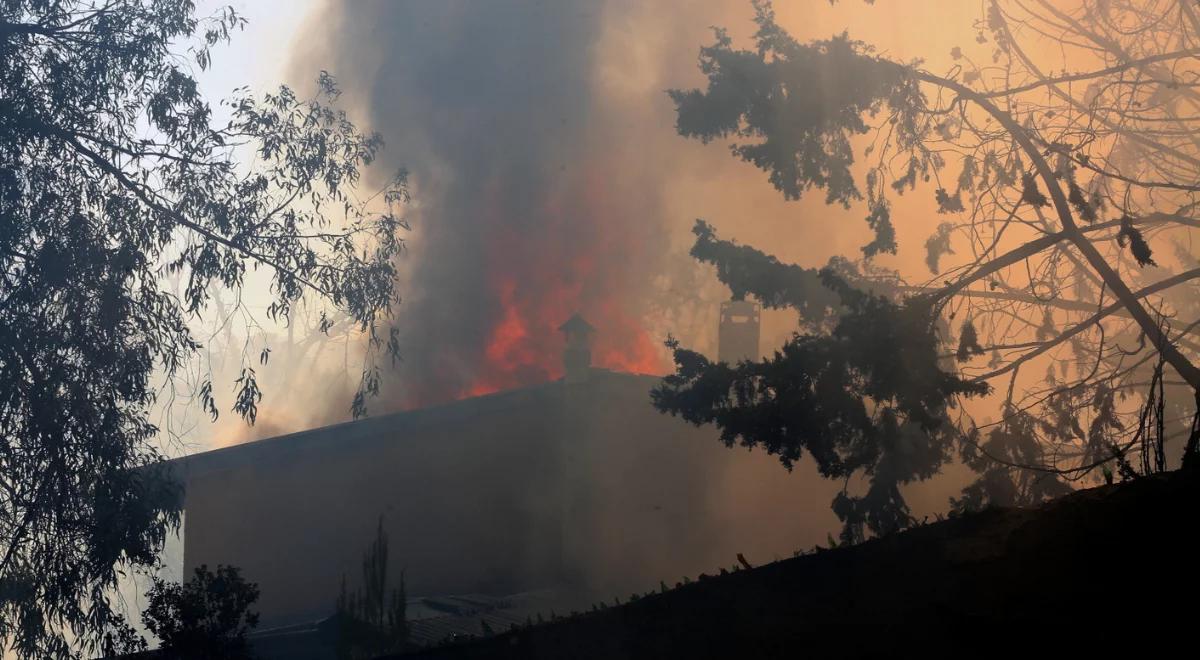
575 487
514 469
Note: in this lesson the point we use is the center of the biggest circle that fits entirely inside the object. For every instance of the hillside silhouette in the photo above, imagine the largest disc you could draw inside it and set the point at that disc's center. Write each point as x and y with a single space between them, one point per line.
1090 559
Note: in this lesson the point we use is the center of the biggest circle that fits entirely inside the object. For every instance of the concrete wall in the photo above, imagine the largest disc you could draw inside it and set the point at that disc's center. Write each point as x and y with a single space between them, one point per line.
583 485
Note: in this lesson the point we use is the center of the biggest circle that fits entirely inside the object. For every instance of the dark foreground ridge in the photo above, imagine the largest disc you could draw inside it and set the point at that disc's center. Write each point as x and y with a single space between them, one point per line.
1096 558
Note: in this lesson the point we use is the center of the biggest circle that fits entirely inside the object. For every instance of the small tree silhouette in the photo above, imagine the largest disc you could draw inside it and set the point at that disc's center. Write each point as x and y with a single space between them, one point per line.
206 617
371 619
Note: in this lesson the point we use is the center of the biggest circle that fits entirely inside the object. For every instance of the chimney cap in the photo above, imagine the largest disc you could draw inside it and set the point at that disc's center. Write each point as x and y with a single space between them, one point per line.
576 325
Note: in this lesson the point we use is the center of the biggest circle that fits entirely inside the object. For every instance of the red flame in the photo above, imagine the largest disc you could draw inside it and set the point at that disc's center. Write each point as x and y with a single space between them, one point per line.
577 259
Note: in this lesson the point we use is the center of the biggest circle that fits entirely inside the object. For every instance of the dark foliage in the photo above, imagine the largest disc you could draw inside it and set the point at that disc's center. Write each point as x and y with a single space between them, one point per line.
1130 235
121 639
868 398
968 343
880 221
112 179
1030 193
205 618
1088 209
748 271
797 107
938 245
948 203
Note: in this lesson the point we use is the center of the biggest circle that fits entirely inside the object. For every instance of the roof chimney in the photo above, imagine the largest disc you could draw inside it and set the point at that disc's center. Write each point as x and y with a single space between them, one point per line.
738 336
577 358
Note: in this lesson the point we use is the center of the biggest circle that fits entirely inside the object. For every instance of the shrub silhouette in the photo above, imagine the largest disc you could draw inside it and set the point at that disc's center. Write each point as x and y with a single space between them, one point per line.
206 617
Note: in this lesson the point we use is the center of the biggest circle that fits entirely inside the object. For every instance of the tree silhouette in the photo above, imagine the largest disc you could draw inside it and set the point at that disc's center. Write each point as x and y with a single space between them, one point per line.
1058 193
114 176
206 617
372 619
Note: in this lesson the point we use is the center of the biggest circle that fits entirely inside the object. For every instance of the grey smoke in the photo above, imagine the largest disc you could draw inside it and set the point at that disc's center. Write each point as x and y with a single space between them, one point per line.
490 105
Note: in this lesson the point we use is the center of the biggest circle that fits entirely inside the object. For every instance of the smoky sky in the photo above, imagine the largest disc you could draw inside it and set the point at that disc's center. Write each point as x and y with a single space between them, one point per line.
520 218
548 178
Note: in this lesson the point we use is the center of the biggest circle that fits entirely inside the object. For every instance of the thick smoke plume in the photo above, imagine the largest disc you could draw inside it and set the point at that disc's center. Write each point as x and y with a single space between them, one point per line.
524 215
548 177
